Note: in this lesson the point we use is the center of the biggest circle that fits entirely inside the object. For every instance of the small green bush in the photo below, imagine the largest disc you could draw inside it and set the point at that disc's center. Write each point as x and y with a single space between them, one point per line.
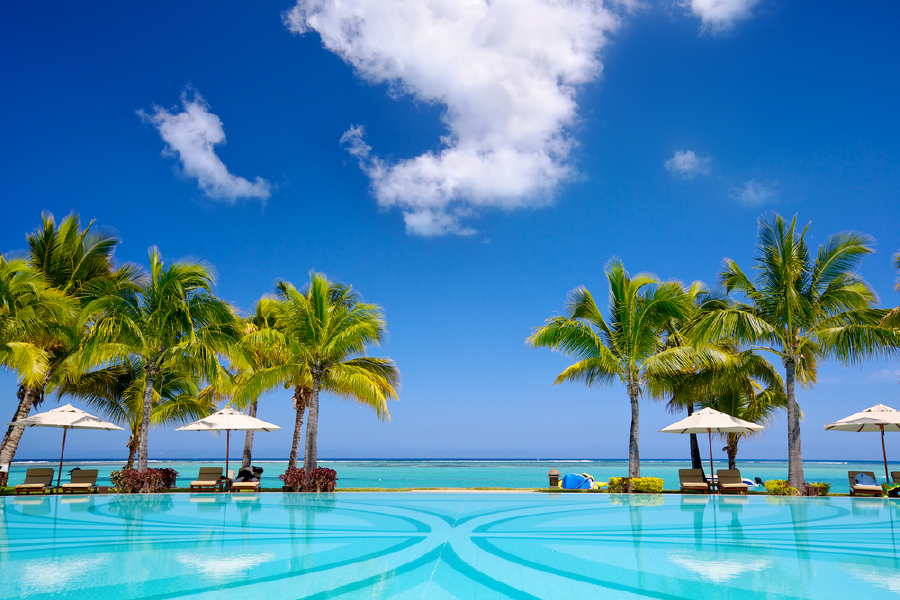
780 487
639 485
824 488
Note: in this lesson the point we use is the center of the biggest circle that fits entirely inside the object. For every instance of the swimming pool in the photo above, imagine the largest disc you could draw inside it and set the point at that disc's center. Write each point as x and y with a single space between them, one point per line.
448 545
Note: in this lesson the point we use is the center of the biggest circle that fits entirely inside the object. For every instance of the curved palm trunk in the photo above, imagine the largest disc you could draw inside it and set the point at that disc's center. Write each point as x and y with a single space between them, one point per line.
795 458
132 445
248 440
732 448
27 399
312 426
145 421
696 460
634 453
300 408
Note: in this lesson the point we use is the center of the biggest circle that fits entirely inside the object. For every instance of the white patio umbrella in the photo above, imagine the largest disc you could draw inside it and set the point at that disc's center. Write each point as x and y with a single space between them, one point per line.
67 417
878 418
711 421
228 420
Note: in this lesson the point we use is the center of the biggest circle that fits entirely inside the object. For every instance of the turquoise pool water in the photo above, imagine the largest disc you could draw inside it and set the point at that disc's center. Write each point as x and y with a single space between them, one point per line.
502 474
448 545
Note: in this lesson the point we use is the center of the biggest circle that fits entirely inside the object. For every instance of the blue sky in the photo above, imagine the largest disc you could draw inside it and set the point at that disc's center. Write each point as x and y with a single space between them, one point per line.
505 154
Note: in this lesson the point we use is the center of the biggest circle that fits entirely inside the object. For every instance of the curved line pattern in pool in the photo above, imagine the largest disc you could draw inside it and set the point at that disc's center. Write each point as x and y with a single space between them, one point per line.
448 545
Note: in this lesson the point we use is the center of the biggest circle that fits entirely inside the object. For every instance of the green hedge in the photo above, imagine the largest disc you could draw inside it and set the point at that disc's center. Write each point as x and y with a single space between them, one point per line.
780 487
639 485
824 488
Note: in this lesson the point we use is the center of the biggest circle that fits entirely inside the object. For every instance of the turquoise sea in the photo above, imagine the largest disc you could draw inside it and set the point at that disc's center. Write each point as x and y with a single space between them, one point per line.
394 474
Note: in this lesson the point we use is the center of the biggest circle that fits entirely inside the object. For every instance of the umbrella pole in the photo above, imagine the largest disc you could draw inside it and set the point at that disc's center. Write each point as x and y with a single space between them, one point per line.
887 477
227 449
711 472
66 430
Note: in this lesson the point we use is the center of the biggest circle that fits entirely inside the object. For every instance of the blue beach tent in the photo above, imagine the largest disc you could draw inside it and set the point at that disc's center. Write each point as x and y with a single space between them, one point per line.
574 481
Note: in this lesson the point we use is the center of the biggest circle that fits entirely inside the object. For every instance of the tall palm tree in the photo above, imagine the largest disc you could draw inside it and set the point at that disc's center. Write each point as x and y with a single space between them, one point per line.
803 309
174 324
77 263
321 334
627 346
117 391
26 305
256 356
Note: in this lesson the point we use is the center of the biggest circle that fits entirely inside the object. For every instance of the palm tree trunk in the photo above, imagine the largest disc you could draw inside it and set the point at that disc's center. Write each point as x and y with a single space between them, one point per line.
133 443
795 458
312 426
732 448
634 453
145 420
248 440
300 408
696 460
27 398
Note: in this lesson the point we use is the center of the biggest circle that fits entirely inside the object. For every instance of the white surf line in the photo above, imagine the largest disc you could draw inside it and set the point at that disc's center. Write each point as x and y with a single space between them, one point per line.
444 545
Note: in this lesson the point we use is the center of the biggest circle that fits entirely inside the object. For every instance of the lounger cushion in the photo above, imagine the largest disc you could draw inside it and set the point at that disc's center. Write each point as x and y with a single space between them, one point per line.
39 486
697 484
77 486
208 483
867 488
733 485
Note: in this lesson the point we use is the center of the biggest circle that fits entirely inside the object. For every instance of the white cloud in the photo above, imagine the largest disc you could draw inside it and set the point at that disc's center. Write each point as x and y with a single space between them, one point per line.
754 193
720 15
192 136
687 165
507 72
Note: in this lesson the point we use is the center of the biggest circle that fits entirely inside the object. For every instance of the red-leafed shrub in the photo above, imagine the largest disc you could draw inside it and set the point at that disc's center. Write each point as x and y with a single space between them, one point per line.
318 480
132 481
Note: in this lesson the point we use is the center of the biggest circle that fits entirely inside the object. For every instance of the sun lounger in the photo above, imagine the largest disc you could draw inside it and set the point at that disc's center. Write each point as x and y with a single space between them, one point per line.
240 486
83 480
36 481
208 479
895 476
731 482
692 481
863 490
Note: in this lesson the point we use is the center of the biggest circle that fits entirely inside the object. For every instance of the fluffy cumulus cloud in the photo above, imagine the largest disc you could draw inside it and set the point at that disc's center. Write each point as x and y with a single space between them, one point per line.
755 193
720 15
687 165
192 135
507 72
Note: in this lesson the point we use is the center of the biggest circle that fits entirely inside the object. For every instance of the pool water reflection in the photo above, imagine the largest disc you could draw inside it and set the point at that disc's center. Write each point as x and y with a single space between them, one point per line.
448 545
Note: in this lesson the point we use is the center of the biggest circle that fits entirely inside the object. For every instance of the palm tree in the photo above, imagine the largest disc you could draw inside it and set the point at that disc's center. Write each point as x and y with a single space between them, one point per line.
255 356
117 392
26 305
803 310
174 324
76 263
747 387
320 335
628 346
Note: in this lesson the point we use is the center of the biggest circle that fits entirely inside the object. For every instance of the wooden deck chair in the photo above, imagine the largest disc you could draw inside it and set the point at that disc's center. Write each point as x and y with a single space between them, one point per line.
730 482
241 486
208 479
895 476
83 480
36 481
863 490
692 481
